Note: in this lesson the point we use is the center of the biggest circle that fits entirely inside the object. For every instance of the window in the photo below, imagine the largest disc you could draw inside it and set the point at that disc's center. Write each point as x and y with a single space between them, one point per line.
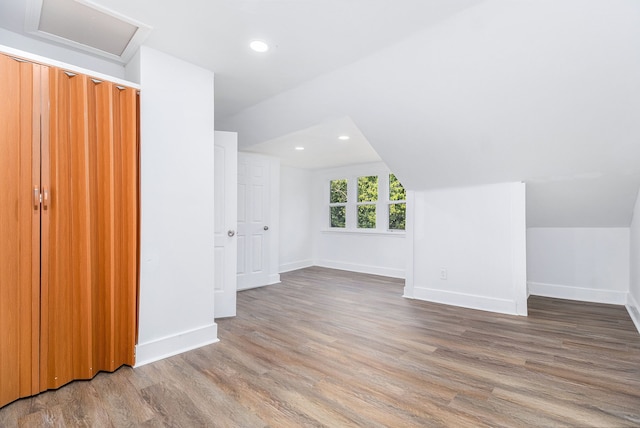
367 193
338 203
397 204
368 202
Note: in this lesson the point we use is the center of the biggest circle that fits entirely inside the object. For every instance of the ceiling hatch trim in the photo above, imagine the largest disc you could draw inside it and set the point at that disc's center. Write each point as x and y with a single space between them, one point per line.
87 26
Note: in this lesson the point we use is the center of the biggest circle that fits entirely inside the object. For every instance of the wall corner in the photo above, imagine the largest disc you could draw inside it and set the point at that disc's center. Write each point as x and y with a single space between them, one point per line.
409 244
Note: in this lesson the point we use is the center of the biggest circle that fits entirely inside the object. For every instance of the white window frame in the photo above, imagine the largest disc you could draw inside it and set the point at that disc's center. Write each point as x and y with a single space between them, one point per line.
382 204
338 204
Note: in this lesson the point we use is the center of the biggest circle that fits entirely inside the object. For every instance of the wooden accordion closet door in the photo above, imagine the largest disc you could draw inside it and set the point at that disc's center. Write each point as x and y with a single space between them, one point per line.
89 228
19 228
68 227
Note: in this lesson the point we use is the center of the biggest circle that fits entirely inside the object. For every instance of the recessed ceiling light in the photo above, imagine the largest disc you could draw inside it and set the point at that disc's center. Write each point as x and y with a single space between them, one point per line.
343 137
299 148
259 46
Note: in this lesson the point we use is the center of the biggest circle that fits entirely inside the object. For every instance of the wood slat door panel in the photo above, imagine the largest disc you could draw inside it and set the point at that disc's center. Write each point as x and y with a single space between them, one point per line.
89 318
102 206
66 277
19 229
125 224
80 226
114 209
114 223
69 226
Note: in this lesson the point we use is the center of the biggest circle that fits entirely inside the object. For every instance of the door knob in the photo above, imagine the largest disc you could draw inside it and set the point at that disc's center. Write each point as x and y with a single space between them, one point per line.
266 228
231 233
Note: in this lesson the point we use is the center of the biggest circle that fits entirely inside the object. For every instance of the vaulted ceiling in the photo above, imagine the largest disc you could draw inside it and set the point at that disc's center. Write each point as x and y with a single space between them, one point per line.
545 92
447 92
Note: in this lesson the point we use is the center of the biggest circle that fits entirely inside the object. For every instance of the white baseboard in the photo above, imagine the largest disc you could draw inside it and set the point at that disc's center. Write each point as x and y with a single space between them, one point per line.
490 304
288 267
352 267
274 279
176 344
250 287
248 282
577 293
634 310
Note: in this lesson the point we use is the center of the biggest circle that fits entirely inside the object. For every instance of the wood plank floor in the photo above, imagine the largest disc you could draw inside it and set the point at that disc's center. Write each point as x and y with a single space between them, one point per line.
338 349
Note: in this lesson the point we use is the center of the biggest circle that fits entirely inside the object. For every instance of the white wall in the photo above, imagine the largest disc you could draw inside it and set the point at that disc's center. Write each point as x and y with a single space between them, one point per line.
633 303
177 195
296 225
478 235
377 252
57 53
587 264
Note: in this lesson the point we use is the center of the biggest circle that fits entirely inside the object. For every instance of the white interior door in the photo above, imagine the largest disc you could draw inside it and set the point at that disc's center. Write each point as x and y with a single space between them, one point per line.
225 223
253 221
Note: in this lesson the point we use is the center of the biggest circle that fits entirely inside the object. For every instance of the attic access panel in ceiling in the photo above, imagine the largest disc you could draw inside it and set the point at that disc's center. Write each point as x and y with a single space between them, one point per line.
87 26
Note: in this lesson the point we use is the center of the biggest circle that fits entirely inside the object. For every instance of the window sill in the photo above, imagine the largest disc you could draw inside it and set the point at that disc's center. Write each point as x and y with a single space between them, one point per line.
371 232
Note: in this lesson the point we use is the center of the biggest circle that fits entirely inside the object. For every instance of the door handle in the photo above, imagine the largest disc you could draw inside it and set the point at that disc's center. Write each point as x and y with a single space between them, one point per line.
36 197
231 233
266 228
45 199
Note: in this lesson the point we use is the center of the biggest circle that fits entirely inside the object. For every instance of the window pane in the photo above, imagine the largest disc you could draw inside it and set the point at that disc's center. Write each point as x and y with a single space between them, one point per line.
396 191
368 188
338 216
397 216
367 216
338 191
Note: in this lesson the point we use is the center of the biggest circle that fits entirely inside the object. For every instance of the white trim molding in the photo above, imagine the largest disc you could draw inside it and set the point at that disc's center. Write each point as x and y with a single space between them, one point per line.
274 278
634 310
372 232
169 346
582 294
482 303
352 267
288 267
69 67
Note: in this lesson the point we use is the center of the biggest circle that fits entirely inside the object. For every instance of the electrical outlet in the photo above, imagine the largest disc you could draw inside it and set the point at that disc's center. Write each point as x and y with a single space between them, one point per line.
443 273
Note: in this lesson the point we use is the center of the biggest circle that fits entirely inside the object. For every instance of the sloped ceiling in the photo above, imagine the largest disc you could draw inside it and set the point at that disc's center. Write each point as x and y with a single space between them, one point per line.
448 92
546 92
307 37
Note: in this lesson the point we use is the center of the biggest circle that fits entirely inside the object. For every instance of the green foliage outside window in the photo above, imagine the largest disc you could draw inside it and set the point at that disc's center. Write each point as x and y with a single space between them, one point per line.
367 216
338 192
397 212
366 198
368 188
396 191
338 195
367 192
397 216
338 216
